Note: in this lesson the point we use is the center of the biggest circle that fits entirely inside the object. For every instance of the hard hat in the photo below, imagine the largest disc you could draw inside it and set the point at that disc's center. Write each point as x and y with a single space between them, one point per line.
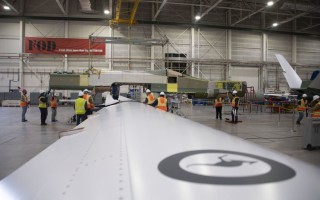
234 92
148 91
85 90
315 97
304 95
80 93
162 93
41 91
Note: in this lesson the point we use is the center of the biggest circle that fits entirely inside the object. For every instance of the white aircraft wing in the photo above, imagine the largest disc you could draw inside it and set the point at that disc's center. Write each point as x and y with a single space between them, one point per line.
131 151
291 76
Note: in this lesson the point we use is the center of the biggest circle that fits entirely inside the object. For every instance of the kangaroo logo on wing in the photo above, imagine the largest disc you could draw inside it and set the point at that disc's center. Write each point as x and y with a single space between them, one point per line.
224 167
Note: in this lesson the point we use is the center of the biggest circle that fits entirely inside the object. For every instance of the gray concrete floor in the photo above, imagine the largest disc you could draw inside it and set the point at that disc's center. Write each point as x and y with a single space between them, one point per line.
19 141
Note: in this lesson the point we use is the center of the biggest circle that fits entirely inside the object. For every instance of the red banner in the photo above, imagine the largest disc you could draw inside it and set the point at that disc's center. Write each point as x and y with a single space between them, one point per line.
37 45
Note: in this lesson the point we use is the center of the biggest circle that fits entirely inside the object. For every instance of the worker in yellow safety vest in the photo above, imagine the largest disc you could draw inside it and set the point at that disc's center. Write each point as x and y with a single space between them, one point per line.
43 106
235 106
80 108
150 98
24 104
218 106
89 99
302 107
315 110
161 103
53 105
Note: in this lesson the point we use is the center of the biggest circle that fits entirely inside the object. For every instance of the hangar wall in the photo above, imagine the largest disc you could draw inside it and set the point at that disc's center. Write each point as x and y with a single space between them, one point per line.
206 50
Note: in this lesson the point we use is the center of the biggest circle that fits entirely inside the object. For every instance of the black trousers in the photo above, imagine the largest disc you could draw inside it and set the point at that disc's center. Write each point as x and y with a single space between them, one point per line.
44 114
81 118
219 112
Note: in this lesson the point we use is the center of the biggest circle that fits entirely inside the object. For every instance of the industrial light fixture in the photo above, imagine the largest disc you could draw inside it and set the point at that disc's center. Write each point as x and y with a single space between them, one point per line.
6 7
197 17
107 12
275 24
270 3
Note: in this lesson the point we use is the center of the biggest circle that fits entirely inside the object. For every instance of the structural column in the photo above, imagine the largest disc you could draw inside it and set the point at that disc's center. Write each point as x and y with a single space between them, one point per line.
228 47
21 64
192 51
263 71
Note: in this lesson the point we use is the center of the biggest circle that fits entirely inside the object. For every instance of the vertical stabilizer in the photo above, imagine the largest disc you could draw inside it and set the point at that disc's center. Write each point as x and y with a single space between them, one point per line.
291 76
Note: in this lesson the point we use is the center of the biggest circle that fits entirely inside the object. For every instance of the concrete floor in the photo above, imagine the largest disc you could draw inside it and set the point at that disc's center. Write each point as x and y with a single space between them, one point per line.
19 141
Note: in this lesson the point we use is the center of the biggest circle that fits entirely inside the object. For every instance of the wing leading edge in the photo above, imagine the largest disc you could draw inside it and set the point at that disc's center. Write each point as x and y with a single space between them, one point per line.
291 76
133 151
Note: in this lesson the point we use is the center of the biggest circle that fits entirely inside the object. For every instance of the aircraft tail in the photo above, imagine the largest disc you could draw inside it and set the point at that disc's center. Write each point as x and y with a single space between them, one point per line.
291 76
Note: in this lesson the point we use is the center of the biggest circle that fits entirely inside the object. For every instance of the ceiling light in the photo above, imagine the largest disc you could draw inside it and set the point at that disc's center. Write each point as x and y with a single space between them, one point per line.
107 12
270 3
197 17
6 7
275 24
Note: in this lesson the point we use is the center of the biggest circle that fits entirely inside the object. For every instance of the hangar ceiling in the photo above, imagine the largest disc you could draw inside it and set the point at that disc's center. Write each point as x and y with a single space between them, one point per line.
292 16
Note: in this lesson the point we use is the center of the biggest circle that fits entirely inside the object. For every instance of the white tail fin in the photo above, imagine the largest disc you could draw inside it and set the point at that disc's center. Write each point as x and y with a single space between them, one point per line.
291 76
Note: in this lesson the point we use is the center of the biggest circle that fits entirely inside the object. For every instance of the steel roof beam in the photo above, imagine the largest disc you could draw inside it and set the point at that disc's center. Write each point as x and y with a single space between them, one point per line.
255 12
209 9
61 7
159 10
10 6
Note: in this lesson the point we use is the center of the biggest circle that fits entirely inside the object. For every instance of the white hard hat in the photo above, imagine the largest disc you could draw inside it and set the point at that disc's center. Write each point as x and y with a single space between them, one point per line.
162 93
41 91
148 91
85 90
315 97
234 92
304 95
80 93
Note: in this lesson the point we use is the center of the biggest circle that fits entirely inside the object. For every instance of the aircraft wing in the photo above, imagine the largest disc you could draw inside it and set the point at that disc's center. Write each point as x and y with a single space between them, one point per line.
131 151
291 76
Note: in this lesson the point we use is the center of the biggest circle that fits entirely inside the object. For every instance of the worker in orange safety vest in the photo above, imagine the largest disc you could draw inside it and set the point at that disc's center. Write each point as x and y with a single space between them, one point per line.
53 105
302 107
315 110
150 98
24 104
218 106
90 102
161 103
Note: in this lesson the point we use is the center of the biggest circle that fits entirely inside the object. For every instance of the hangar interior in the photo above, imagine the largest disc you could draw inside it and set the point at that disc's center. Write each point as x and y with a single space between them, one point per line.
233 40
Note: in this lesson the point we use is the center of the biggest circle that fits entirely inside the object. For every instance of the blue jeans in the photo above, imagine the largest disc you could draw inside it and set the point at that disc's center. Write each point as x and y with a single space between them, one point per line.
24 111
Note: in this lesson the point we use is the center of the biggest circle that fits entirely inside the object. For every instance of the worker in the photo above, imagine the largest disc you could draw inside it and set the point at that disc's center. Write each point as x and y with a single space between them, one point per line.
315 109
218 106
89 99
80 108
302 107
24 104
43 106
235 106
53 105
161 103
150 98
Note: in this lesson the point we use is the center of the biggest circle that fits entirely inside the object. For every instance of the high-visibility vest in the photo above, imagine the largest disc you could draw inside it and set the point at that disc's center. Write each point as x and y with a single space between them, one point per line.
218 102
233 102
79 106
150 98
316 113
54 102
42 104
162 104
302 107
87 97
23 101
